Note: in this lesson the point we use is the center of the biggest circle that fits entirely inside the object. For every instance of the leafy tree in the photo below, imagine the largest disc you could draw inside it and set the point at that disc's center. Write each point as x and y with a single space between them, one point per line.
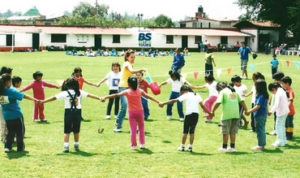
85 10
163 21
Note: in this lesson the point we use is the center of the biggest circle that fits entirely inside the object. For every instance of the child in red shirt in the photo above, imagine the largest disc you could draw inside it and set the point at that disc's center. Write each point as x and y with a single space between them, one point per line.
286 84
134 95
77 74
144 86
38 92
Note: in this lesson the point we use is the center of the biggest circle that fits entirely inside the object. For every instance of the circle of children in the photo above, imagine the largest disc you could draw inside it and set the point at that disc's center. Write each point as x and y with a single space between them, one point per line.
131 92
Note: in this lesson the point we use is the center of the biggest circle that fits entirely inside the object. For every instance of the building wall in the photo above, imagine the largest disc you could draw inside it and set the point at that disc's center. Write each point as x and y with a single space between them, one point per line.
21 39
2 39
72 40
254 40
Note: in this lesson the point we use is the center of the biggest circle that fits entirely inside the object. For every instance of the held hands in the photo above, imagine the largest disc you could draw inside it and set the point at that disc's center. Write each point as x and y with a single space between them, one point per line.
102 99
98 84
269 113
247 113
160 104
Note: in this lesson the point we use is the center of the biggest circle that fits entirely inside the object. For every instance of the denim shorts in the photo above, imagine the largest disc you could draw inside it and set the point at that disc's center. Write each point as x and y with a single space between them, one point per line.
244 64
72 121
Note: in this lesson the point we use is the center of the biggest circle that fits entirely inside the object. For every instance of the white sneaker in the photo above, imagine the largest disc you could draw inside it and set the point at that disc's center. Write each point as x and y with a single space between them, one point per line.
258 148
221 149
66 149
231 149
181 148
190 149
169 117
117 130
273 133
133 147
6 150
107 117
142 146
181 119
116 116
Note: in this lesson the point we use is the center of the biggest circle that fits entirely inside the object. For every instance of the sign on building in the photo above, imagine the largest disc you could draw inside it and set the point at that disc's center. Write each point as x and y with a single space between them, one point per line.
145 39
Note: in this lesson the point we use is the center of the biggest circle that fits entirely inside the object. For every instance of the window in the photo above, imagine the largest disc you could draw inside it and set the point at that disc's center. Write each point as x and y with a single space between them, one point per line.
9 40
224 39
58 38
198 39
116 38
170 39
194 24
182 25
209 25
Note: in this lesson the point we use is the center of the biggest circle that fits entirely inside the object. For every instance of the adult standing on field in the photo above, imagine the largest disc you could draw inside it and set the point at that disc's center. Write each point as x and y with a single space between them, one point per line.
126 71
244 53
178 61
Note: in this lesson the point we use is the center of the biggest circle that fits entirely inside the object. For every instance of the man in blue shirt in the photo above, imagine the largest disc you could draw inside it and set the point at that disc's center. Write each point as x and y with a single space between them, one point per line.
244 52
274 64
178 61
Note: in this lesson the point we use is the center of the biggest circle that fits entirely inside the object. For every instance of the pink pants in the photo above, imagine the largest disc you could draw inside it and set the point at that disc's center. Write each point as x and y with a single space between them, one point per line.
136 118
38 111
208 103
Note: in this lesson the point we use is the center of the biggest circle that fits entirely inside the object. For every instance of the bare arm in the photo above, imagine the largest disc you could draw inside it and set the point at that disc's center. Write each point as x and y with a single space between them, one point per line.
31 98
90 83
249 94
215 108
244 106
101 81
93 96
257 107
168 102
134 71
199 87
111 96
150 97
163 83
205 109
49 99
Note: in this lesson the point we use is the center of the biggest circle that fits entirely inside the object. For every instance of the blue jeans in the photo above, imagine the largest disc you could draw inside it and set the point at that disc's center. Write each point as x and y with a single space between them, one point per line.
260 128
122 112
145 107
175 95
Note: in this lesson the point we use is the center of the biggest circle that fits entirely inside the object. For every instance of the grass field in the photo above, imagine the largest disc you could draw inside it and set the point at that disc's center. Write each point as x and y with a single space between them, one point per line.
109 154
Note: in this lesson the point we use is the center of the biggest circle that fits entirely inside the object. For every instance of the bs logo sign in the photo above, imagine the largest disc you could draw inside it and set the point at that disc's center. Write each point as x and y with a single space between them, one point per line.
145 39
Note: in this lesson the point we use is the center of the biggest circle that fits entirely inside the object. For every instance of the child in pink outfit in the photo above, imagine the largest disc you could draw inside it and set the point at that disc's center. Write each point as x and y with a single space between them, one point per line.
38 92
136 113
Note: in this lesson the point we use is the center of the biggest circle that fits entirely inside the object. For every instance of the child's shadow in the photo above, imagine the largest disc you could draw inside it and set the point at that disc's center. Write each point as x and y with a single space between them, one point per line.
79 153
17 155
86 120
200 154
295 139
294 146
43 123
145 151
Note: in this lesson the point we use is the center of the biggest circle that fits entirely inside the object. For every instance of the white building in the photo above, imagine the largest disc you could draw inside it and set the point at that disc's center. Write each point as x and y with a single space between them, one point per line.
39 37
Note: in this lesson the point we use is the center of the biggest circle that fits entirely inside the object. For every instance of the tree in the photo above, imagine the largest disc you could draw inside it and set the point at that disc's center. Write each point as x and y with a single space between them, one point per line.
277 11
163 21
85 9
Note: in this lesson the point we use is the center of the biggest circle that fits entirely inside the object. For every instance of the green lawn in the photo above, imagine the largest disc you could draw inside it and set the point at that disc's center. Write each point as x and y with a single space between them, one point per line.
109 154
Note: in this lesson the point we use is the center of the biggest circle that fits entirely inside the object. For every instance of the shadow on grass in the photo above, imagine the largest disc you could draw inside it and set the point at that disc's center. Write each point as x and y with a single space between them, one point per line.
295 139
292 146
166 141
78 153
17 154
200 154
43 123
238 153
144 151
86 120
150 120
276 150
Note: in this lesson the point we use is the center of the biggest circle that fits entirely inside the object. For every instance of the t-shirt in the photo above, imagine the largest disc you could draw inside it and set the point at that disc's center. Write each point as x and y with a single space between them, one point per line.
80 82
176 85
125 74
68 101
11 109
253 90
244 51
281 105
113 80
263 103
144 86
192 101
212 88
291 102
134 99
241 90
274 63
208 58
230 104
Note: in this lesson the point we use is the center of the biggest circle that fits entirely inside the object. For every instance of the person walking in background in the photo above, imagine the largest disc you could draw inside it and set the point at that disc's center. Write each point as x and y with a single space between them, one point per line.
244 53
178 61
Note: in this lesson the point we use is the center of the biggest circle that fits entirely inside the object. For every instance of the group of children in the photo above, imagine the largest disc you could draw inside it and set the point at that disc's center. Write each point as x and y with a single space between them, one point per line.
132 92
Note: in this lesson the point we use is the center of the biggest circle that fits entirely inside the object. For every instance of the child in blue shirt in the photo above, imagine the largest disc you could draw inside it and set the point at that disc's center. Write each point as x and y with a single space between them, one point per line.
178 61
12 113
260 113
274 64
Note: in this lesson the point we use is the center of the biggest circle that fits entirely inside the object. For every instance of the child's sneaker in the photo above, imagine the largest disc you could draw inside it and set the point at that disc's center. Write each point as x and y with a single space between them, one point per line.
133 147
66 149
190 149
181 148
117 129
35 120
273 132
142 146
169 117
231 149
107 117
258 148
221 149
116 116
76 147
7 150
181 119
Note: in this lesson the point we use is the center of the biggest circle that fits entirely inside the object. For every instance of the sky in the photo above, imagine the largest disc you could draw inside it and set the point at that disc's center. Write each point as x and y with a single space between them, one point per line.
176 9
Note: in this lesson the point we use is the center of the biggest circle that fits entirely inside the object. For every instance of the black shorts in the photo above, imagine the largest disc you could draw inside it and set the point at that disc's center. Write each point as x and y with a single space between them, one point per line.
72 121
190 123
